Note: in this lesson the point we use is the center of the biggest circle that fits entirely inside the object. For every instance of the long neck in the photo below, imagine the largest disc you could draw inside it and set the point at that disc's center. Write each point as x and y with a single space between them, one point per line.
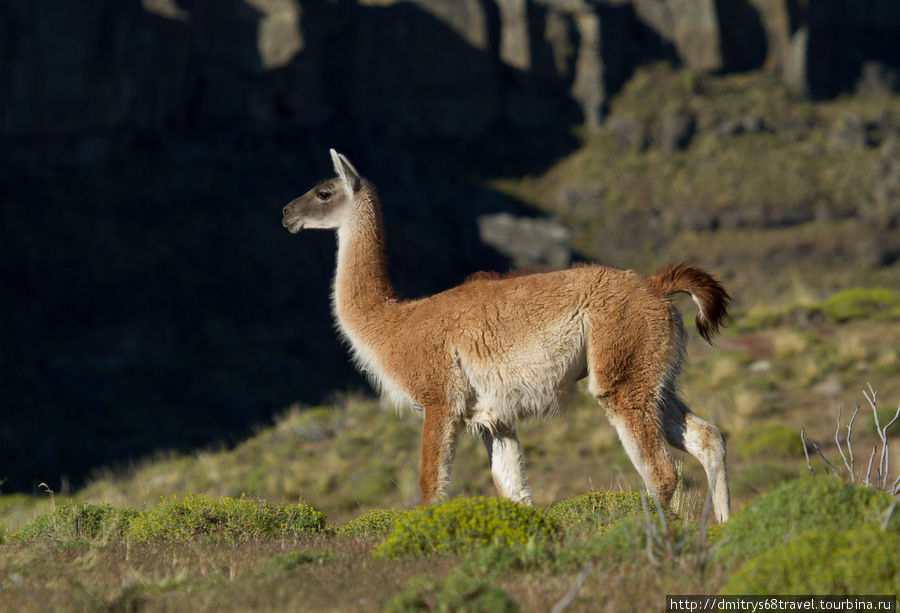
361 286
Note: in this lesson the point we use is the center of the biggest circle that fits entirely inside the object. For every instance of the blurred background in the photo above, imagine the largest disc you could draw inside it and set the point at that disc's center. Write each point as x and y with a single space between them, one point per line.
150 299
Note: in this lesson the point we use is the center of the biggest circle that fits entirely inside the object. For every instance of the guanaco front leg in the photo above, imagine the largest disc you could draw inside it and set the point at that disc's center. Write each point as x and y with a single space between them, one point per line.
505 457
439 436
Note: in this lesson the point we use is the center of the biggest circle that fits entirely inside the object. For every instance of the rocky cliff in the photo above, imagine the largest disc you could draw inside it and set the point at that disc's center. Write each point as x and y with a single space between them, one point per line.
84 78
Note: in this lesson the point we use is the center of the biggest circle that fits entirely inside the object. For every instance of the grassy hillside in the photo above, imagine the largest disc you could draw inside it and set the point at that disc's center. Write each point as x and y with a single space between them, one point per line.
793 205
601 551
773 372
778 195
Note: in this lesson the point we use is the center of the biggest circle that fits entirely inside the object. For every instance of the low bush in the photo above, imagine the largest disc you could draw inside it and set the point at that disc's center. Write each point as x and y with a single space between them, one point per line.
862 303
810 503
374 523
457 593
78 522
197 517
862 560
595 511
463 523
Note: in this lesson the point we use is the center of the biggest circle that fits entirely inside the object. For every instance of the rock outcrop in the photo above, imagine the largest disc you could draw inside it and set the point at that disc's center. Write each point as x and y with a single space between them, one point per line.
79 79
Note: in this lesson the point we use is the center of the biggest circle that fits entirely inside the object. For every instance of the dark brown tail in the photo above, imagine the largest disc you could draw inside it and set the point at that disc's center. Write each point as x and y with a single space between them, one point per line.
711 298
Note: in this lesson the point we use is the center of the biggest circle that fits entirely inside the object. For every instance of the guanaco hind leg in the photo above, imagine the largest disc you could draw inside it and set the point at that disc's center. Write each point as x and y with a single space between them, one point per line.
642 438
702 440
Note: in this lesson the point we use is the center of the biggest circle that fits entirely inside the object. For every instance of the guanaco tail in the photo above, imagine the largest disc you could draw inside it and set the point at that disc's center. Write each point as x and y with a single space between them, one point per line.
494 350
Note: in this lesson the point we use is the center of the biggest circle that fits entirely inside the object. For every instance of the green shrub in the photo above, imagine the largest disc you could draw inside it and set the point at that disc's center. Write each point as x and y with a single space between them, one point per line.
459 592
595 510
78 522
861 303
767 440
820 503
863 560
374 523
466 522
197 517
623 541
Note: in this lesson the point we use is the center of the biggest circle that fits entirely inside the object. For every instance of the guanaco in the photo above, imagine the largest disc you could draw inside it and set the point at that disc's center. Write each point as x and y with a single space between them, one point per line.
497 349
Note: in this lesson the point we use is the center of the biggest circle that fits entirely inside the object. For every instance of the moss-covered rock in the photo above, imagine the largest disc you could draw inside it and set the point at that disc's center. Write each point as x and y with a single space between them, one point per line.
464 523
862 560
198 517
78 522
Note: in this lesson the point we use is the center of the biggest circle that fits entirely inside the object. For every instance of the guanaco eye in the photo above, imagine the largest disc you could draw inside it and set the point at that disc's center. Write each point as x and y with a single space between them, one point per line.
323 195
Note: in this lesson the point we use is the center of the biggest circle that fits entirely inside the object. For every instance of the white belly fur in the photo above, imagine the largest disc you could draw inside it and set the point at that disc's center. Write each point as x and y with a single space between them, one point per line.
531 379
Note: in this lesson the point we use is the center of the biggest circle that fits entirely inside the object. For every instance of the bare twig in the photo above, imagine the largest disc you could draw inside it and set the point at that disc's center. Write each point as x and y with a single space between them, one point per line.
872 397
805 451
869 470
824 459
569 596
886 450
884 466
849 445
837 441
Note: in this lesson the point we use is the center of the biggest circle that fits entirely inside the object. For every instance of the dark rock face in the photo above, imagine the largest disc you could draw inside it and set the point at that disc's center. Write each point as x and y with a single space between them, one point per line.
93 75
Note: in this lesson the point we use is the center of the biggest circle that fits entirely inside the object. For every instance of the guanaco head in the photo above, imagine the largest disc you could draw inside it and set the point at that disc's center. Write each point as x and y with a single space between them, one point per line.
328 204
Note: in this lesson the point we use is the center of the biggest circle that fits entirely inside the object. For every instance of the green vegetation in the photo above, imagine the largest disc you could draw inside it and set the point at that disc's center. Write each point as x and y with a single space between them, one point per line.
768 441
374 523
878 304
463 523
766 195
229 520
823 504
78 522
758 479
458 593
859 303
595 511
296 560
808 535
825 560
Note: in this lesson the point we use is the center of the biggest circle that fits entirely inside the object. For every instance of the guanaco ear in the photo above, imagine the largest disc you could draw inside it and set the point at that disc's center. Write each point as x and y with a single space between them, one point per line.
346 171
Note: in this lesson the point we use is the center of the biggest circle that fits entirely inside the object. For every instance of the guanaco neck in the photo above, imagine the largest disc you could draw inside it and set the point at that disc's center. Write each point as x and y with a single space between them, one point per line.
362 289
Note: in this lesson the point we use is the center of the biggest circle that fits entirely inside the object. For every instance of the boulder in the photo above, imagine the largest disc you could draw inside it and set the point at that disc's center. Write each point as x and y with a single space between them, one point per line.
531 243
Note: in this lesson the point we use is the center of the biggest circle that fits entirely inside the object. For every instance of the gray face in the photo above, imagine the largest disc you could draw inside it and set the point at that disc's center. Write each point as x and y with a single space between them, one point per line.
323 207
